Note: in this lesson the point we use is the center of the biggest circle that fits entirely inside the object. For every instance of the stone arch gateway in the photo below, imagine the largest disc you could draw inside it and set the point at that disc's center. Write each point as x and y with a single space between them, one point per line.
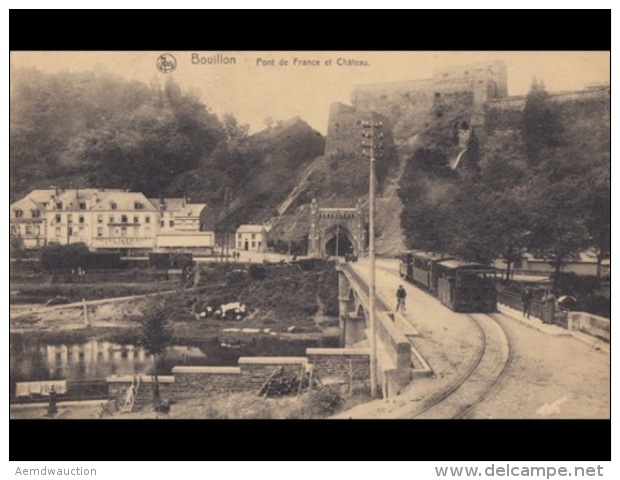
336 231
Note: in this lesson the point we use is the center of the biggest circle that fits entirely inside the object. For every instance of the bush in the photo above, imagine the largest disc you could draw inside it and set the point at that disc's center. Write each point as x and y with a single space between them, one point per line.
257 272
323 402
63 257
597 305
572 284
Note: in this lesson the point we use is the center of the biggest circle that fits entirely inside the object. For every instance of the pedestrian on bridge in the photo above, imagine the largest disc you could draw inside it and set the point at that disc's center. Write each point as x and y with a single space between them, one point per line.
401 295
548 305
526 298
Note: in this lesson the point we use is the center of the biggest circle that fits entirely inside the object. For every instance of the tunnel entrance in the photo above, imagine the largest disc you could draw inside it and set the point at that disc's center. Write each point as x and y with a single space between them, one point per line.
339 245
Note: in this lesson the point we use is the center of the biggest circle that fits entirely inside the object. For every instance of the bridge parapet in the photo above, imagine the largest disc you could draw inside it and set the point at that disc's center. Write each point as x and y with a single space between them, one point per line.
398 360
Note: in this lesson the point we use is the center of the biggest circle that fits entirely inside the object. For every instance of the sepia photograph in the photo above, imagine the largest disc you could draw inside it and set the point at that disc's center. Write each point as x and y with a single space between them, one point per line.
286 235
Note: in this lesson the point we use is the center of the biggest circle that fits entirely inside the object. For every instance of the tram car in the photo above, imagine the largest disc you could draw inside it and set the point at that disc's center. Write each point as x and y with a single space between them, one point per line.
461 286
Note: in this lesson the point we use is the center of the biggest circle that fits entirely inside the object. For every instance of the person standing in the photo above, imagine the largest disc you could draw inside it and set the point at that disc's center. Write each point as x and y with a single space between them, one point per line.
548 305
401 295
526 300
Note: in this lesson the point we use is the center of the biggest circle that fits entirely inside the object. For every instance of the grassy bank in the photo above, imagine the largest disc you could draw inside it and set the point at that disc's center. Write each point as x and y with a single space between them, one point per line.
22 293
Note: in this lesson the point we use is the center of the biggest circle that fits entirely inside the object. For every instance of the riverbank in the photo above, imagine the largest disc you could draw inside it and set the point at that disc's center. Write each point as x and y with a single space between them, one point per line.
239 406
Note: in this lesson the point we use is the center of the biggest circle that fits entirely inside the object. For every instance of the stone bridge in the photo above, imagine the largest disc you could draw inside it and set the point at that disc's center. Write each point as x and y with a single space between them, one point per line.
398 362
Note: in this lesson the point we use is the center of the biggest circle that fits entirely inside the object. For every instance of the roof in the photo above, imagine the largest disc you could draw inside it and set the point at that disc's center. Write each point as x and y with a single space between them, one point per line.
171 204
191 210
453 264
430 255
24 204
253 228
123 201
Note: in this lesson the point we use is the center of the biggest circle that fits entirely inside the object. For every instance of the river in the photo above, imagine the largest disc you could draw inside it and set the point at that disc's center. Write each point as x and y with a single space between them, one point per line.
35 360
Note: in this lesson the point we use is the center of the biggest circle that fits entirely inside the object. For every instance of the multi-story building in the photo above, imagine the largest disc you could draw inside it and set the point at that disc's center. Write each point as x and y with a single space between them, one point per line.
123 220
28 220
107 219
252 237
180 225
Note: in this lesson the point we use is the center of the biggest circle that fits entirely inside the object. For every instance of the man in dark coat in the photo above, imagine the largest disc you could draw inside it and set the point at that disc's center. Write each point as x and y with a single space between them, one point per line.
401 295
526 299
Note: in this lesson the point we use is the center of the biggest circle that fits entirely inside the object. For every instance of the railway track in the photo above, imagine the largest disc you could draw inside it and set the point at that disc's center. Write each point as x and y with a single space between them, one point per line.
490 364
459 399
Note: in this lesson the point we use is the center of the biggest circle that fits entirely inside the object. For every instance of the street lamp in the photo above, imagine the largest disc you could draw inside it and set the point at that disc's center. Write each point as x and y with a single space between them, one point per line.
370 145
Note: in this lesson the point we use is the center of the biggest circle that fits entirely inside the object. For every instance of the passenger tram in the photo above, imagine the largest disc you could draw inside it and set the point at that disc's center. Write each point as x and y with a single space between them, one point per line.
461 286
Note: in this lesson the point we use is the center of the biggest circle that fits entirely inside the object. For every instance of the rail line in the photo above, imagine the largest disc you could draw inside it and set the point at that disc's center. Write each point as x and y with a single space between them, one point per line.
460 399
490 364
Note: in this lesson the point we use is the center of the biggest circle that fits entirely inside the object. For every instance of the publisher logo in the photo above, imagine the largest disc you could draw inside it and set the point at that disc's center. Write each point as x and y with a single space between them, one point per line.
166 63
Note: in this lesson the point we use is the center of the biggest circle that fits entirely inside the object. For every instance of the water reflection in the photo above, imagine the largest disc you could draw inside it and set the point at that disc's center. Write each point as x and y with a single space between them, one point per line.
33 360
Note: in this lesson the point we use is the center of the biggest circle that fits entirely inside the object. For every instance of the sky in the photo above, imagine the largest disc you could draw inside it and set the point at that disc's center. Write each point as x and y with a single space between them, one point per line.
252 89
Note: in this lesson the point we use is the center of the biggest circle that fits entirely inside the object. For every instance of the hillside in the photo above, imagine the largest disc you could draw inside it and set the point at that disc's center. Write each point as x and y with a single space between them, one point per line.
93 129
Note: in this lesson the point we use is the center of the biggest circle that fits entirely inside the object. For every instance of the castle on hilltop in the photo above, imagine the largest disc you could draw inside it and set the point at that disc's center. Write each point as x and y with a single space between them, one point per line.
472 96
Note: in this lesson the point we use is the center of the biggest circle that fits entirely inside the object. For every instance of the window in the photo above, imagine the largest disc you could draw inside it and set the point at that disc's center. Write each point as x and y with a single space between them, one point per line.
260 244
239 244
138 206
69 231
100 231
161 224
82 205
136 231
239 236
171 223
112 205
58 205
19 213
136 219
28 229
70 218
81 219
253 244
123 218
110 232
81 227
58 231
123 231
147 219
253 236
57 218
99 218
35 213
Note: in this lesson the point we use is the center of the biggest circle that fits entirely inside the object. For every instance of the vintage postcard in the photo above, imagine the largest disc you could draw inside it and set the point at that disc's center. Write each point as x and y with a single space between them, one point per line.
310 235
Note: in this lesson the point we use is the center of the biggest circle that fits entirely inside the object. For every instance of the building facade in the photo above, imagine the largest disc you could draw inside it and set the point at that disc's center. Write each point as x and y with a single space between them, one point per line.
107 219
252 237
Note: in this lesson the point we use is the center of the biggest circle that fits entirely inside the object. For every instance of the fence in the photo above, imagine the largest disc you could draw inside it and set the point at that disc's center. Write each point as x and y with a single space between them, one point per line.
76 390
513 300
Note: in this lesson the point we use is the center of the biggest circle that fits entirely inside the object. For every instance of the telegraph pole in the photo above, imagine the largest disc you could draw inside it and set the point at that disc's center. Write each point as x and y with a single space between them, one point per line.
374 143
227 199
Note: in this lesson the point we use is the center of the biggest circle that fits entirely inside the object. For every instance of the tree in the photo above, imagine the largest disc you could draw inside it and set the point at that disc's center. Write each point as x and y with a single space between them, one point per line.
156 334
541 123
558 227
16 244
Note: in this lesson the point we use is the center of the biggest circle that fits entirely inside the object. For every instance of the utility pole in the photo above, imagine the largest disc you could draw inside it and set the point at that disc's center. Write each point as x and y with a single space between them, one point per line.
374 143
227 200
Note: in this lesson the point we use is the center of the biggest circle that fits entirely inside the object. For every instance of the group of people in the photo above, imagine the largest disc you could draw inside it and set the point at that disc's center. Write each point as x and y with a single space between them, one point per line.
548 304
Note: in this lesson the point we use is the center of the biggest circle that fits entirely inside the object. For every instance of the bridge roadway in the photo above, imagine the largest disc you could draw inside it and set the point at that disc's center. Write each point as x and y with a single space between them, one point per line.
488 366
